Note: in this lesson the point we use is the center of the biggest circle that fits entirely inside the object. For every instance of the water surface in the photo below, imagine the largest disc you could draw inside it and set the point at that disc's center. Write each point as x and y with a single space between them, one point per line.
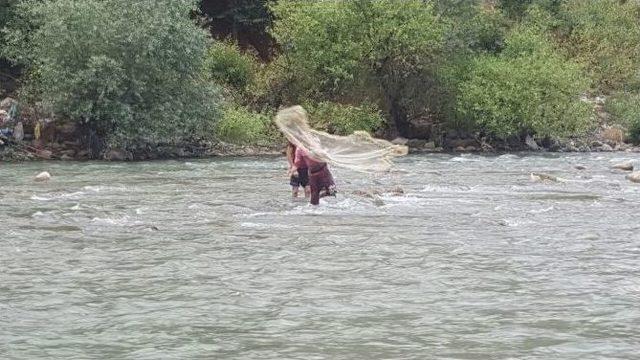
212 259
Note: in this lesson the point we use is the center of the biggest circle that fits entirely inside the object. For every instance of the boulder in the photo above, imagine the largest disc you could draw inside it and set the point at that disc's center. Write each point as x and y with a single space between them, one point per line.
634 177
82 154
118 155
66 157
606 147
44 154
43 176
471 148
531 143
580 167
626 166
399 141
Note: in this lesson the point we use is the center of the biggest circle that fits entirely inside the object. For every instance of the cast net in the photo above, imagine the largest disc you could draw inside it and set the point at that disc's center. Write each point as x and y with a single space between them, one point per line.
358 151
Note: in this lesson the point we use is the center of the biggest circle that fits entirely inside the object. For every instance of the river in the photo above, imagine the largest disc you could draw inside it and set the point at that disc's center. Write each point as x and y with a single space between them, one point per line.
213 259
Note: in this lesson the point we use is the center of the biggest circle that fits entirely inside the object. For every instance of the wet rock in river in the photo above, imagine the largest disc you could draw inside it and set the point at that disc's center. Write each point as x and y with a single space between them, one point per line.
43 176
540 177
634 177
626 166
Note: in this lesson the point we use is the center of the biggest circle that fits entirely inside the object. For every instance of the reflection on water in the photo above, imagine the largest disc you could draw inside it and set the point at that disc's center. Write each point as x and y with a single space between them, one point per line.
212 259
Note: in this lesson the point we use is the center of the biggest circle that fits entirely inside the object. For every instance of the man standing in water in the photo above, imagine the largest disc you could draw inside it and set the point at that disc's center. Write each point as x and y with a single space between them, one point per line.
320 178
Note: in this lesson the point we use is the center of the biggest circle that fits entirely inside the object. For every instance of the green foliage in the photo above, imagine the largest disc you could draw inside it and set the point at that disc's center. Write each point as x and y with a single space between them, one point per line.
227 65
527 88
130 71
344 119
239 125
362 49
624 109
605 36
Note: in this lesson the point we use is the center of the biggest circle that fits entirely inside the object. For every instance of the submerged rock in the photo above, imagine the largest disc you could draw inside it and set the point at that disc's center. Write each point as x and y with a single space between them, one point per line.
634 177
43 176
580 167
626 166
538 177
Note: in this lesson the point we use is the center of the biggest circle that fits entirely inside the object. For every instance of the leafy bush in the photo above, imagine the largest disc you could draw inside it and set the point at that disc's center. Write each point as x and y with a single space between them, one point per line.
127 71
344 119
240 125
527 88
229 66
624 109
605 35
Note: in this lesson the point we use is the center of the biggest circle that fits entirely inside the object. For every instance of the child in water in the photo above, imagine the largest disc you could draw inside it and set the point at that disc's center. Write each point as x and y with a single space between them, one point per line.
297 176
321 182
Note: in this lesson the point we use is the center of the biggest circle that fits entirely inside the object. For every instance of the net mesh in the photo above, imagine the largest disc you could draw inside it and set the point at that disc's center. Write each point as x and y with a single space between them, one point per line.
358 151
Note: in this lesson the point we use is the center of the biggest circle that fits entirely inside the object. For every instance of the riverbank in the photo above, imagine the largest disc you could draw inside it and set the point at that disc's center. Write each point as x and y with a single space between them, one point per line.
15 152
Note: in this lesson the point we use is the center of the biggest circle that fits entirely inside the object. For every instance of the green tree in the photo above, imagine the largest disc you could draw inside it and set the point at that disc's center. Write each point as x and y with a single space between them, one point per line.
354 50
528 88
126 71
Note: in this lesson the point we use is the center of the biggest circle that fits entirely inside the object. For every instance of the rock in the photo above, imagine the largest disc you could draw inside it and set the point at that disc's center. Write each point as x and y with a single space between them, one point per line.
626 166
471 148
415 143
545 177
399 141
66 157
44 154
117 155
634 177
531 143
455 143
580 167
69 152
606 147
18 132
82 154
43 176
459 148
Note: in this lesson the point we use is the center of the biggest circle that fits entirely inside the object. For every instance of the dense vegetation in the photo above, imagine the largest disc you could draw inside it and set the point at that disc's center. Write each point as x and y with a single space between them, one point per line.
148 72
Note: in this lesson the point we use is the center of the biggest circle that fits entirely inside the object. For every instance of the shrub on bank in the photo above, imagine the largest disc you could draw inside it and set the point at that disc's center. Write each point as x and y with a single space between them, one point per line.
125 71
624 109
344 119
239 125
605 36
227 65
528 88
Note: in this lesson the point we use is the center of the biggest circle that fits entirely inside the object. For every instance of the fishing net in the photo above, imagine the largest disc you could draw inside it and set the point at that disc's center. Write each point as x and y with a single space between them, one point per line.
358 151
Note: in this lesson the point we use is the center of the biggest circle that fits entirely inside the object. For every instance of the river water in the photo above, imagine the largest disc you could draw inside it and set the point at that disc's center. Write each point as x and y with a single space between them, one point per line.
213 259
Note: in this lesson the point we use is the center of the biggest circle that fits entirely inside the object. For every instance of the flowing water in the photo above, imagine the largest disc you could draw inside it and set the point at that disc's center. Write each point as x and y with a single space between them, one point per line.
213 259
